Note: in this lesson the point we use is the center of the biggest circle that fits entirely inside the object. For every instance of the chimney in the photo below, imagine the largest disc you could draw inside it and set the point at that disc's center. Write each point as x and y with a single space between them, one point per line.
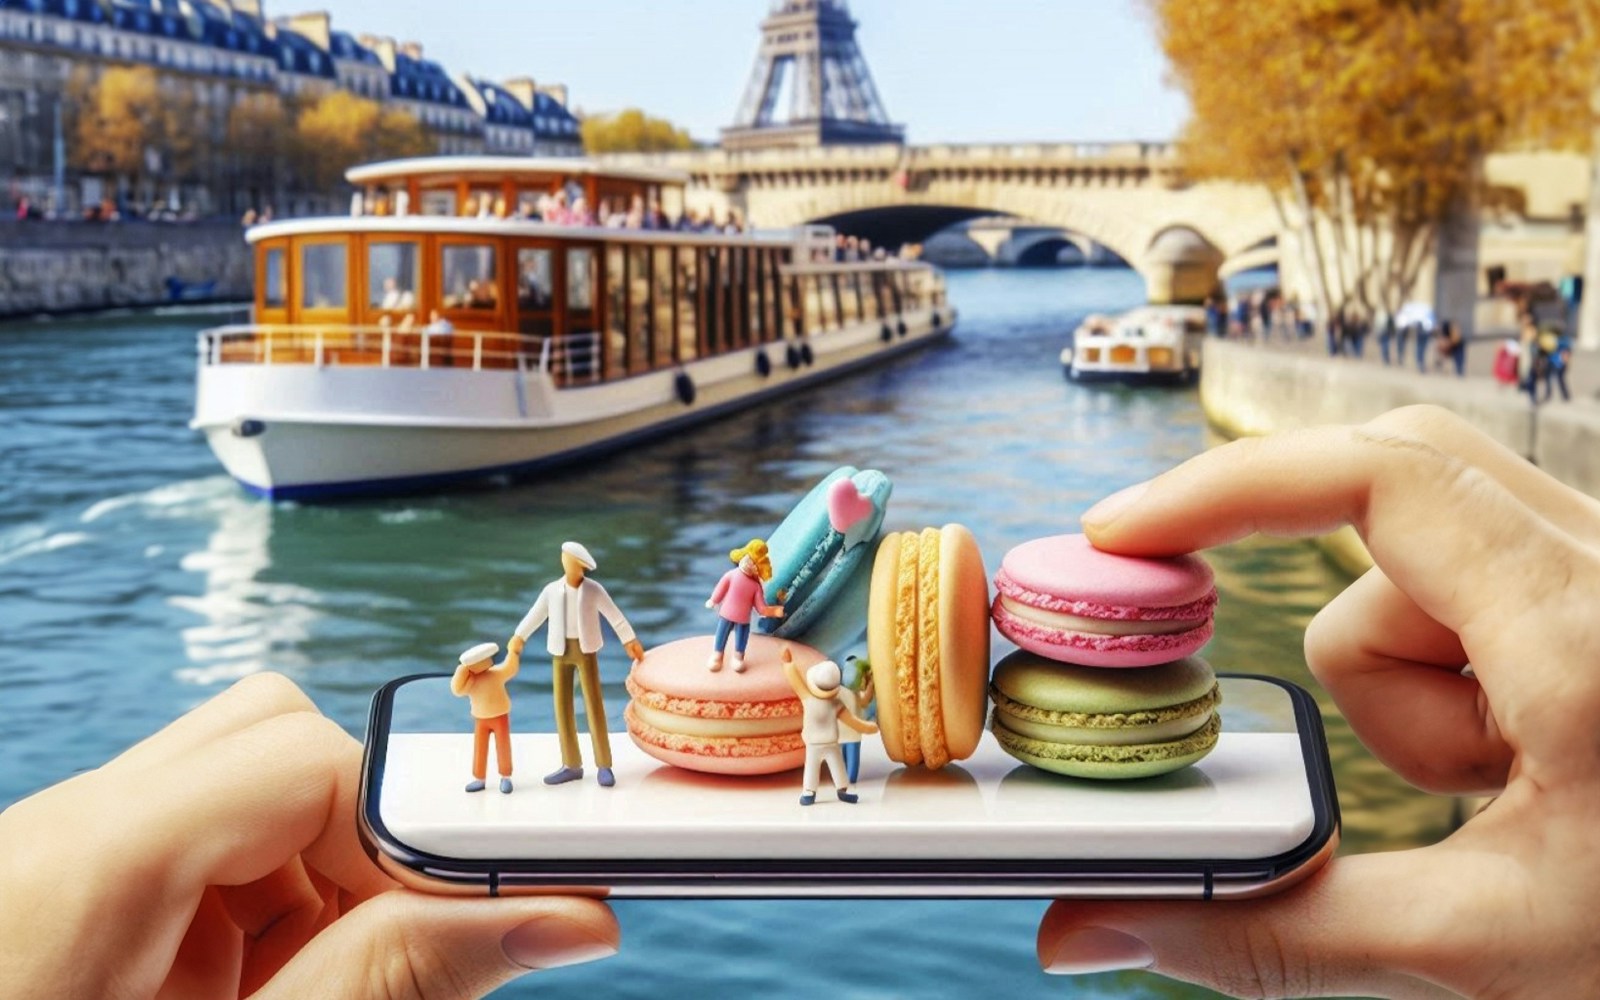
555 91
249 8
316 27
382 47
523 89
412 49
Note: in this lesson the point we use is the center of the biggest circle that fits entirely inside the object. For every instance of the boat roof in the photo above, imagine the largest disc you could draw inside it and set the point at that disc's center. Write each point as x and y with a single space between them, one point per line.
473 226
454 167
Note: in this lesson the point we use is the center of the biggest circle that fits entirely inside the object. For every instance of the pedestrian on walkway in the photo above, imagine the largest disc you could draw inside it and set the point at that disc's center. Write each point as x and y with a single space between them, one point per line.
1424 334
1386 333
1530 367
1557 349
1453 347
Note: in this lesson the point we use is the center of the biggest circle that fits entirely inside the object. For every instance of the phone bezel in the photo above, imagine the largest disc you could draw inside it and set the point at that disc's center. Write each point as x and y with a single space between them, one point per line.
843 876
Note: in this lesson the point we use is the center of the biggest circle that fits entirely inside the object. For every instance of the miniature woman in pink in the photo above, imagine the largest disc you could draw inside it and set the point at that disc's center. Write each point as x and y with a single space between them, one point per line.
738 593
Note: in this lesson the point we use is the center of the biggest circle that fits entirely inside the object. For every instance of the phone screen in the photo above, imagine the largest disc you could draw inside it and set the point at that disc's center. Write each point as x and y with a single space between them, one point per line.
1258 804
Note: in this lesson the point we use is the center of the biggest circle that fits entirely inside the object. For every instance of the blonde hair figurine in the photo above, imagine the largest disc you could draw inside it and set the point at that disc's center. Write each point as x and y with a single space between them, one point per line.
736 596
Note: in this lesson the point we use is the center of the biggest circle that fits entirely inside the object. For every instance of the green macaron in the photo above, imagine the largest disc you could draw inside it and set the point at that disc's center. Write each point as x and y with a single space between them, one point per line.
1107 723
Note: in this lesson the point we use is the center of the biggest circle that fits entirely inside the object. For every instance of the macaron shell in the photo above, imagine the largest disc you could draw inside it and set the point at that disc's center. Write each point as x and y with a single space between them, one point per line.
763 755
882 628
1065 694
1141 760
1066 573
1095 650
674 675
963 640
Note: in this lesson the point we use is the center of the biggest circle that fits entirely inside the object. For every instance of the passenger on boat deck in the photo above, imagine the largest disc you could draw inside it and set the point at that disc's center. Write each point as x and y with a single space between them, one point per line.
608 216
407 322
501 209
735 224
689 222
559 213
396 298
654 218
438 324
482 294
635 219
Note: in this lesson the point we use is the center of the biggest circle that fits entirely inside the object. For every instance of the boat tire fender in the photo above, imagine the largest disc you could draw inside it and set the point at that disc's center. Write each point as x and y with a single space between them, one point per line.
938 321
886 334
791 356
684 386
806 356
901 328
763 364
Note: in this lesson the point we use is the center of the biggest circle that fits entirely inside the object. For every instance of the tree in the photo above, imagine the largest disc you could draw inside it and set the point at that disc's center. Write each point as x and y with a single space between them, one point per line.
1369 120
131 123
258 133
340 130
631 131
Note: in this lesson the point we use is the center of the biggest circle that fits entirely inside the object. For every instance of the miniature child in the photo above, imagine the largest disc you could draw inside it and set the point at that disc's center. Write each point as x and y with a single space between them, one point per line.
818 690
484 686
736 595
858 698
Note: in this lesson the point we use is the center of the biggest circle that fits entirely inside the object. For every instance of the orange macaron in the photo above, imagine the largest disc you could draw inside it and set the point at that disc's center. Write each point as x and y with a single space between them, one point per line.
720 722
928 642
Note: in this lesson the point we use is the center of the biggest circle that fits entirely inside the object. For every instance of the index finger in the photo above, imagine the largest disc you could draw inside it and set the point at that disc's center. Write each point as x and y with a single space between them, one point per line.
1473 556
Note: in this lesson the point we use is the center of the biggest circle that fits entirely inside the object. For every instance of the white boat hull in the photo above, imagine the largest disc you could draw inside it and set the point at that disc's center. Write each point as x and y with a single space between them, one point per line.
309 432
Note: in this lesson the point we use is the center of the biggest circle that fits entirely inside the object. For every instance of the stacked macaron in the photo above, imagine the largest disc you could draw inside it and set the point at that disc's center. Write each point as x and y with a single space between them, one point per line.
1105 684
726 723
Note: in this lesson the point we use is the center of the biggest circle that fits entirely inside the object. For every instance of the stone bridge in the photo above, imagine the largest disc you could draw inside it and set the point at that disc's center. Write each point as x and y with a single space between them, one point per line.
1131 198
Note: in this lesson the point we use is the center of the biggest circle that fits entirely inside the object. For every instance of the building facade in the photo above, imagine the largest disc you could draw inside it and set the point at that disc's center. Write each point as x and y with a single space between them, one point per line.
210 55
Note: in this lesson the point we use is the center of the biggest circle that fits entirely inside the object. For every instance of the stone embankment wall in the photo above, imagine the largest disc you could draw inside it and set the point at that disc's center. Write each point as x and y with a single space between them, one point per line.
1247 390
48 267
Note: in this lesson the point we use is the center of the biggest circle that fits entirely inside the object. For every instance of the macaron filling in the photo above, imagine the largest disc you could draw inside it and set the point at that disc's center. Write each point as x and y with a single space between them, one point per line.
710 746
705 708
1105 729
1197 743
1030 635
1195 610
1098 626
694 725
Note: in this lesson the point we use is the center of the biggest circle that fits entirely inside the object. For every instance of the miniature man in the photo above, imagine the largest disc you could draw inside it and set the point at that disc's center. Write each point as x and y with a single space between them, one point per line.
484 686
818 690
573 606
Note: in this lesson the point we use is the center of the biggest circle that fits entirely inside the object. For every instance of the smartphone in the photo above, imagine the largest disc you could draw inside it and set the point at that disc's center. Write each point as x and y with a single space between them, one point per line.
1256 815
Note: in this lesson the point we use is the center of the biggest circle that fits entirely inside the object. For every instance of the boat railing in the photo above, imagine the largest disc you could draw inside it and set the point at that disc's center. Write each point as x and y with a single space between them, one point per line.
571 359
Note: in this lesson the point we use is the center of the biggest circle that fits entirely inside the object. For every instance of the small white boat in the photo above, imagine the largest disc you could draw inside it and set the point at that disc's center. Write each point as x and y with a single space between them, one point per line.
395 352
1148 344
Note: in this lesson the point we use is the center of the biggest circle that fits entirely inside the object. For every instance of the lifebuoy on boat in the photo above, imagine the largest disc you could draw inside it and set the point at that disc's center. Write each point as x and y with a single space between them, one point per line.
791 356
805 354
763 364
886 333
902 328
684 385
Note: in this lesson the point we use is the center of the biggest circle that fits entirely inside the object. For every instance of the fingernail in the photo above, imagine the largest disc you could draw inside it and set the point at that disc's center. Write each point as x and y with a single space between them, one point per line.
1099 949
551 942
1115 505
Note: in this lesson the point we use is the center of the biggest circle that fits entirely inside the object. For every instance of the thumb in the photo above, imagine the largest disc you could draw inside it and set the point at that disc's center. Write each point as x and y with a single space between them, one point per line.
407 945
1353 928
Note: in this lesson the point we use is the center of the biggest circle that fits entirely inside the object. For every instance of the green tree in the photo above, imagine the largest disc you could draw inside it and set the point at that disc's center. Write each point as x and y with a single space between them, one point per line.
1369 119
631 131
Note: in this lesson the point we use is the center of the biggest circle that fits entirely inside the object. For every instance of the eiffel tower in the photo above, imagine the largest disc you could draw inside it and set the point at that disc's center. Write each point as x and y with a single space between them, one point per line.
810 86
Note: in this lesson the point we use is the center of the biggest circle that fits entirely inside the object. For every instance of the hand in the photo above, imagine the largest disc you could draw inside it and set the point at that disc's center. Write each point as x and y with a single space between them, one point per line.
516 644
1481 558
635 649
220 857
711 604
777 612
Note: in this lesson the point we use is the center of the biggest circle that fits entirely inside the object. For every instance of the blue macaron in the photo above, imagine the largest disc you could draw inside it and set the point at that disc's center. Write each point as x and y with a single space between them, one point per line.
822 560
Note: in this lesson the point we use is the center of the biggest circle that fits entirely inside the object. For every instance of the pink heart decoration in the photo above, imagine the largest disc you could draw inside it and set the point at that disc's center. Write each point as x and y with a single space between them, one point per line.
846 506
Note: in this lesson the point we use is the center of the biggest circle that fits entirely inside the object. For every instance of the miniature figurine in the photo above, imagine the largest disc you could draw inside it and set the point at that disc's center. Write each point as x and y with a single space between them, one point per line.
818 690
573 606
484 686
859 697
735 596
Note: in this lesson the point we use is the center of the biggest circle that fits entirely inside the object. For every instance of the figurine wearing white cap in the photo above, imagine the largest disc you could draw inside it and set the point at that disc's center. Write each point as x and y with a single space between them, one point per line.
573 606
484 686
818 690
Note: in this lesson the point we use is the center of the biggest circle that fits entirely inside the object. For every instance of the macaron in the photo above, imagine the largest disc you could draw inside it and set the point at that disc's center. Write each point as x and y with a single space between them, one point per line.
725 723
1066 600
822 560
1107 724
928 641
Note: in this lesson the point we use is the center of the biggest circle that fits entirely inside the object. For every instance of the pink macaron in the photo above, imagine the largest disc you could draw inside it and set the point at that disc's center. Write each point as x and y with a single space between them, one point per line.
1062 598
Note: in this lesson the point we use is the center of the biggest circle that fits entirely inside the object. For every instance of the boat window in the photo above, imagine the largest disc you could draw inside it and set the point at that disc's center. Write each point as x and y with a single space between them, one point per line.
276 292
438 201
891 285
641 331
738 301
714 311
535 282
616 362
830 302
664 299
322 276
469 276
849 299
392 276
580 279
755 283
486 203
688 305
813 301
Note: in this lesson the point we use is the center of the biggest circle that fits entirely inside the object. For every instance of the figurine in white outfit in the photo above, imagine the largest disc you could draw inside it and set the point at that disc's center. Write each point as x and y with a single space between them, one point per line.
818 690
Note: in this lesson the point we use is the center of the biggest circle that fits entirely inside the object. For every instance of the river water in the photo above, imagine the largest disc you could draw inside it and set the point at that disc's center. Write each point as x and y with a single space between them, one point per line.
136 580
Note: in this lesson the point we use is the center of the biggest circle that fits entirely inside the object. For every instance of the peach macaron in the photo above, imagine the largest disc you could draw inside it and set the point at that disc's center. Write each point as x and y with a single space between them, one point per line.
719 722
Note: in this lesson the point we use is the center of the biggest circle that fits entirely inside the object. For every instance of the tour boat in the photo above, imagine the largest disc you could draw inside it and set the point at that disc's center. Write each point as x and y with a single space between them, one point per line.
439 333
1148 344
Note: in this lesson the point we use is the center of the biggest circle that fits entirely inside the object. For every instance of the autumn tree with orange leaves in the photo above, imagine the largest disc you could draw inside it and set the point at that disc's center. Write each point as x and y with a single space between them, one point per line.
1369 120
